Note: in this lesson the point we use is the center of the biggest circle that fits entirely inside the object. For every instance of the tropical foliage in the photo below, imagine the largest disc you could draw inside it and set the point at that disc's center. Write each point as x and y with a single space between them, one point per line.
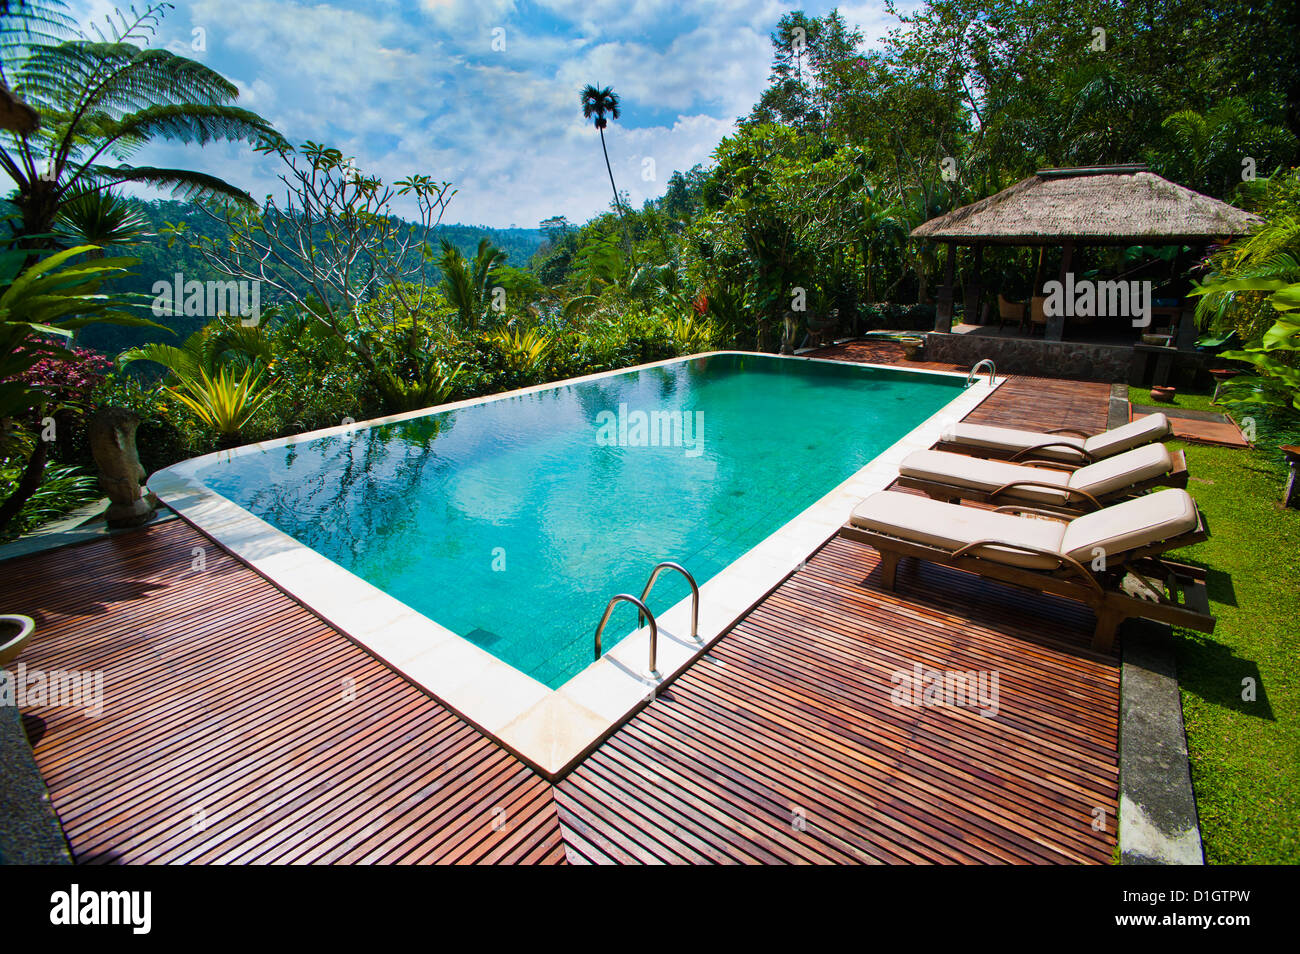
798 222
42 305
221 401
1253 289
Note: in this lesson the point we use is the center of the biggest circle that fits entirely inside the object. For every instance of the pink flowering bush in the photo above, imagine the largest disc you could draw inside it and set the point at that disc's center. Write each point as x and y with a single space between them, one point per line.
68 382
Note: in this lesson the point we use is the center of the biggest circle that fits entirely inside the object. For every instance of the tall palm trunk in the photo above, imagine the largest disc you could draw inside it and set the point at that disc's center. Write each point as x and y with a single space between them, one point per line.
618 204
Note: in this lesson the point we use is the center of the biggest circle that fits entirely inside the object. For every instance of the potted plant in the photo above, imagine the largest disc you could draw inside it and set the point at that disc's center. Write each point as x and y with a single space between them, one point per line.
15 631
911 347
1164 393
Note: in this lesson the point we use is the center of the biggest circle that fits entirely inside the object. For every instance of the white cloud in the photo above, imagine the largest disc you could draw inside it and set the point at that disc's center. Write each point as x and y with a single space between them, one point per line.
418 88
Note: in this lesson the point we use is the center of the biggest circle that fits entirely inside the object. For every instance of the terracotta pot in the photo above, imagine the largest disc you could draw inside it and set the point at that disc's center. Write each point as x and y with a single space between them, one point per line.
1164 393
15 631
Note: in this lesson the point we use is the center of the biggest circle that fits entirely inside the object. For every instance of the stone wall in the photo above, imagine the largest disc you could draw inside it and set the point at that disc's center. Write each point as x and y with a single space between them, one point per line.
1052 359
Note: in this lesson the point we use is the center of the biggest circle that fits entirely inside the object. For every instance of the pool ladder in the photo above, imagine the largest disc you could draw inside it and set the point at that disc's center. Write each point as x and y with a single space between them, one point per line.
643 611
993 371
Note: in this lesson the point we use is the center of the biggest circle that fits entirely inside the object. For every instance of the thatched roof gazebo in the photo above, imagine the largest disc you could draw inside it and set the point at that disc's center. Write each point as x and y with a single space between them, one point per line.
1092 205
15 115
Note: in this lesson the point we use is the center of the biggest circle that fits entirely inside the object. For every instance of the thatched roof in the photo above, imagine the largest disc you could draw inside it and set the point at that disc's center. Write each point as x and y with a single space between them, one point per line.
1091 205
15 115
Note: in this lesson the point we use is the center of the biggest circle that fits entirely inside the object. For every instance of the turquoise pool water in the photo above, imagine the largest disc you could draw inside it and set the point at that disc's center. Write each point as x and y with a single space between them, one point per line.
512 522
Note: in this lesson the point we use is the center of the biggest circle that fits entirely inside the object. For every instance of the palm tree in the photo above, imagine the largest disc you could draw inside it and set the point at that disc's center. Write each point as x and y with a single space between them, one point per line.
468 283
597 104
102 99
216 345
1206 148
884 229
90 217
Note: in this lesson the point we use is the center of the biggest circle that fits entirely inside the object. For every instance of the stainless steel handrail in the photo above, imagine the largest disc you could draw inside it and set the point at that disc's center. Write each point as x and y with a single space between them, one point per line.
644 613
993 370
695 592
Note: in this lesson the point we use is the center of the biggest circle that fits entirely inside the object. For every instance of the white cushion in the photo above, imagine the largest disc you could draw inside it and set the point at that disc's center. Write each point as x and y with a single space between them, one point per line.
975 473
1123 470
1144 430
950 527
1129 525
1010 440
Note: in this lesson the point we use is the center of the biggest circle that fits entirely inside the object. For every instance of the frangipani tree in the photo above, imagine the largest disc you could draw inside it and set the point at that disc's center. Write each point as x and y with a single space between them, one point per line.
332 242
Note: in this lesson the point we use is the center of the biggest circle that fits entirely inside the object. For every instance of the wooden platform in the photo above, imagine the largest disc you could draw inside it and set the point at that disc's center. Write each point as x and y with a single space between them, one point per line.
238 727
1022 401
783 744
1216 429
232 732
873 351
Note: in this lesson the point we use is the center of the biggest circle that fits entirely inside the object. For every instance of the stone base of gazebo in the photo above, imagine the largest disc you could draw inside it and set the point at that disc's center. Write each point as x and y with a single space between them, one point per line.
1075 360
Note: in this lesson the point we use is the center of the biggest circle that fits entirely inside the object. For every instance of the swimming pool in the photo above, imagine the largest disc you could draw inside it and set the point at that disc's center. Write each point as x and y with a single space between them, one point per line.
509 522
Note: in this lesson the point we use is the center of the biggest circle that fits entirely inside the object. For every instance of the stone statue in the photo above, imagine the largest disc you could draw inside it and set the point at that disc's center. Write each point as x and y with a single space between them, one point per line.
112 441
788 329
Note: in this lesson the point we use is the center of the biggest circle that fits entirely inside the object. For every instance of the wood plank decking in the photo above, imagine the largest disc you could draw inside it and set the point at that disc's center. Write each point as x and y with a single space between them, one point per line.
783 744
229 734
239 727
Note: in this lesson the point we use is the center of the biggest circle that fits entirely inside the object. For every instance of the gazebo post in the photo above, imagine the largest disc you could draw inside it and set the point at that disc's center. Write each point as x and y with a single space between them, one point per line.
1055 330
973 289
943 314
1038 273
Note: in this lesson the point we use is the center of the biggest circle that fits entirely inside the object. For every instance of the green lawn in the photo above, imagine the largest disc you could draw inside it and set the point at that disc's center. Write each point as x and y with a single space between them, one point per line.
1192 402
1245 755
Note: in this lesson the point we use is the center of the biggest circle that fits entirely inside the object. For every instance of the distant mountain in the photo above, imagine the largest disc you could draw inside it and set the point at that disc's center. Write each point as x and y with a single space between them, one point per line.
158 262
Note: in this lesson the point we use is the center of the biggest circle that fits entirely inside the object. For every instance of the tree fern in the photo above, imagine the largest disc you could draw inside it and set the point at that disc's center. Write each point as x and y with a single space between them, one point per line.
100 99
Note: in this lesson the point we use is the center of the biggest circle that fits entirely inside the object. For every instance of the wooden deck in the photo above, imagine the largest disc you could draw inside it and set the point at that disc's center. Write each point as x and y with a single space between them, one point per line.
783 745
233 734
238 727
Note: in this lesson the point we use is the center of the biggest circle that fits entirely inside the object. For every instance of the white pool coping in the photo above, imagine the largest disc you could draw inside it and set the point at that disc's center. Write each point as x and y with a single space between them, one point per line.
550 729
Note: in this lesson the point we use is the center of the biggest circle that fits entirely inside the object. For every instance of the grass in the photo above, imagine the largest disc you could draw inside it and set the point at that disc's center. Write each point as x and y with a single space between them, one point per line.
1245 755
1193 402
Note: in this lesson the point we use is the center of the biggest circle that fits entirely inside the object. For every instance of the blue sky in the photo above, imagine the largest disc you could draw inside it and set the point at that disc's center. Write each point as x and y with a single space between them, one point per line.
416 86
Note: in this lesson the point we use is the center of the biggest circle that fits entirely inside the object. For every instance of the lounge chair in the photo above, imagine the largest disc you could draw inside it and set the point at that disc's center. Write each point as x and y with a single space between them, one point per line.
1063 488
1068 444
1109 559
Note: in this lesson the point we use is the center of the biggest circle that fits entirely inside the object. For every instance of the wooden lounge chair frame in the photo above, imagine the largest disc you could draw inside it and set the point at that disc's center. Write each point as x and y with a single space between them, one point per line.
1162 581
1077 502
